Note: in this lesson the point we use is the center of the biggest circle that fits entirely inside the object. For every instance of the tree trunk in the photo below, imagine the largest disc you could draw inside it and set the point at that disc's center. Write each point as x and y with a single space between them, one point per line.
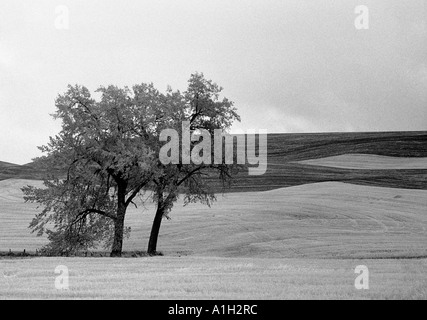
119 224
155 229
118 236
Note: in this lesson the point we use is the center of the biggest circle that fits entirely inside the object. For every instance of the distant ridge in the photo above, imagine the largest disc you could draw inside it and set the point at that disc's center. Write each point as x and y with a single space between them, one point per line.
7 164
16 171
286 150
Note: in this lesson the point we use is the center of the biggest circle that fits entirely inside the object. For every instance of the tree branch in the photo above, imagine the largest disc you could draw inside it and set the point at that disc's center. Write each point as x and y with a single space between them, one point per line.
136 191
189 175
84 213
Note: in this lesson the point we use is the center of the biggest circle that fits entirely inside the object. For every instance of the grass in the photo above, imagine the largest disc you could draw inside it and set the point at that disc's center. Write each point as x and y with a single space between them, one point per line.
212 278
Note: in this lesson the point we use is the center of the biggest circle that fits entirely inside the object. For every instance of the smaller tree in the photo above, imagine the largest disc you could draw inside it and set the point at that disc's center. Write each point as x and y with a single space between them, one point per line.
201 108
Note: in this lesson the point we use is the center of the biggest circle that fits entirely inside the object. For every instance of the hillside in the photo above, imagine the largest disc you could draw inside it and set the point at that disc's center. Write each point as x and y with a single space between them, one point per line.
288 155
322 220
15 171
347 195
367 161
296 159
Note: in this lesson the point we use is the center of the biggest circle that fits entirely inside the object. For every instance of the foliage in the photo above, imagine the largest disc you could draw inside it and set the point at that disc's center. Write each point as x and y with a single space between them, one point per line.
107 153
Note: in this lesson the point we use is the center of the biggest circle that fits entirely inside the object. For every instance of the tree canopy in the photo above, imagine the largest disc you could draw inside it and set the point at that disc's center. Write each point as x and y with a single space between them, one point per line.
107 153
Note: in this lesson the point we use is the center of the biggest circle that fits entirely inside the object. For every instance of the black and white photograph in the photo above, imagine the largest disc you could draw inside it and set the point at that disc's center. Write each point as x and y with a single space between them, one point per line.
213 156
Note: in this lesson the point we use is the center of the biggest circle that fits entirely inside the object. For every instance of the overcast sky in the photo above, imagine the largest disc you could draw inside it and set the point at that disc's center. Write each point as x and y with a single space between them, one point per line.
289 65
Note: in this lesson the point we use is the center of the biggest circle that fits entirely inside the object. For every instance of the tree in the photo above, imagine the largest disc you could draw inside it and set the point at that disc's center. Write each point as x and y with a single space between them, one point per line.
98 162
108 152
204 112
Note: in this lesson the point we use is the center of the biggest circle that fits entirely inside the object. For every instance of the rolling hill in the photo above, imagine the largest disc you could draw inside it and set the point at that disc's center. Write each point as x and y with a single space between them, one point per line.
323 195
292 160
288 155
319 220
370 162
16 171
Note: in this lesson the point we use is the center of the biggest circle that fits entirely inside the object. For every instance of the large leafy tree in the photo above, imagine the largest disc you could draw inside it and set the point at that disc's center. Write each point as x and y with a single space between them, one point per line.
99 163
108 152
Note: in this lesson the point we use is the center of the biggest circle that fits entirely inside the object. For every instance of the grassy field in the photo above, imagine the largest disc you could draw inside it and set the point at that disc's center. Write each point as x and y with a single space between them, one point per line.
212 278
350 199
295 243
327 220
